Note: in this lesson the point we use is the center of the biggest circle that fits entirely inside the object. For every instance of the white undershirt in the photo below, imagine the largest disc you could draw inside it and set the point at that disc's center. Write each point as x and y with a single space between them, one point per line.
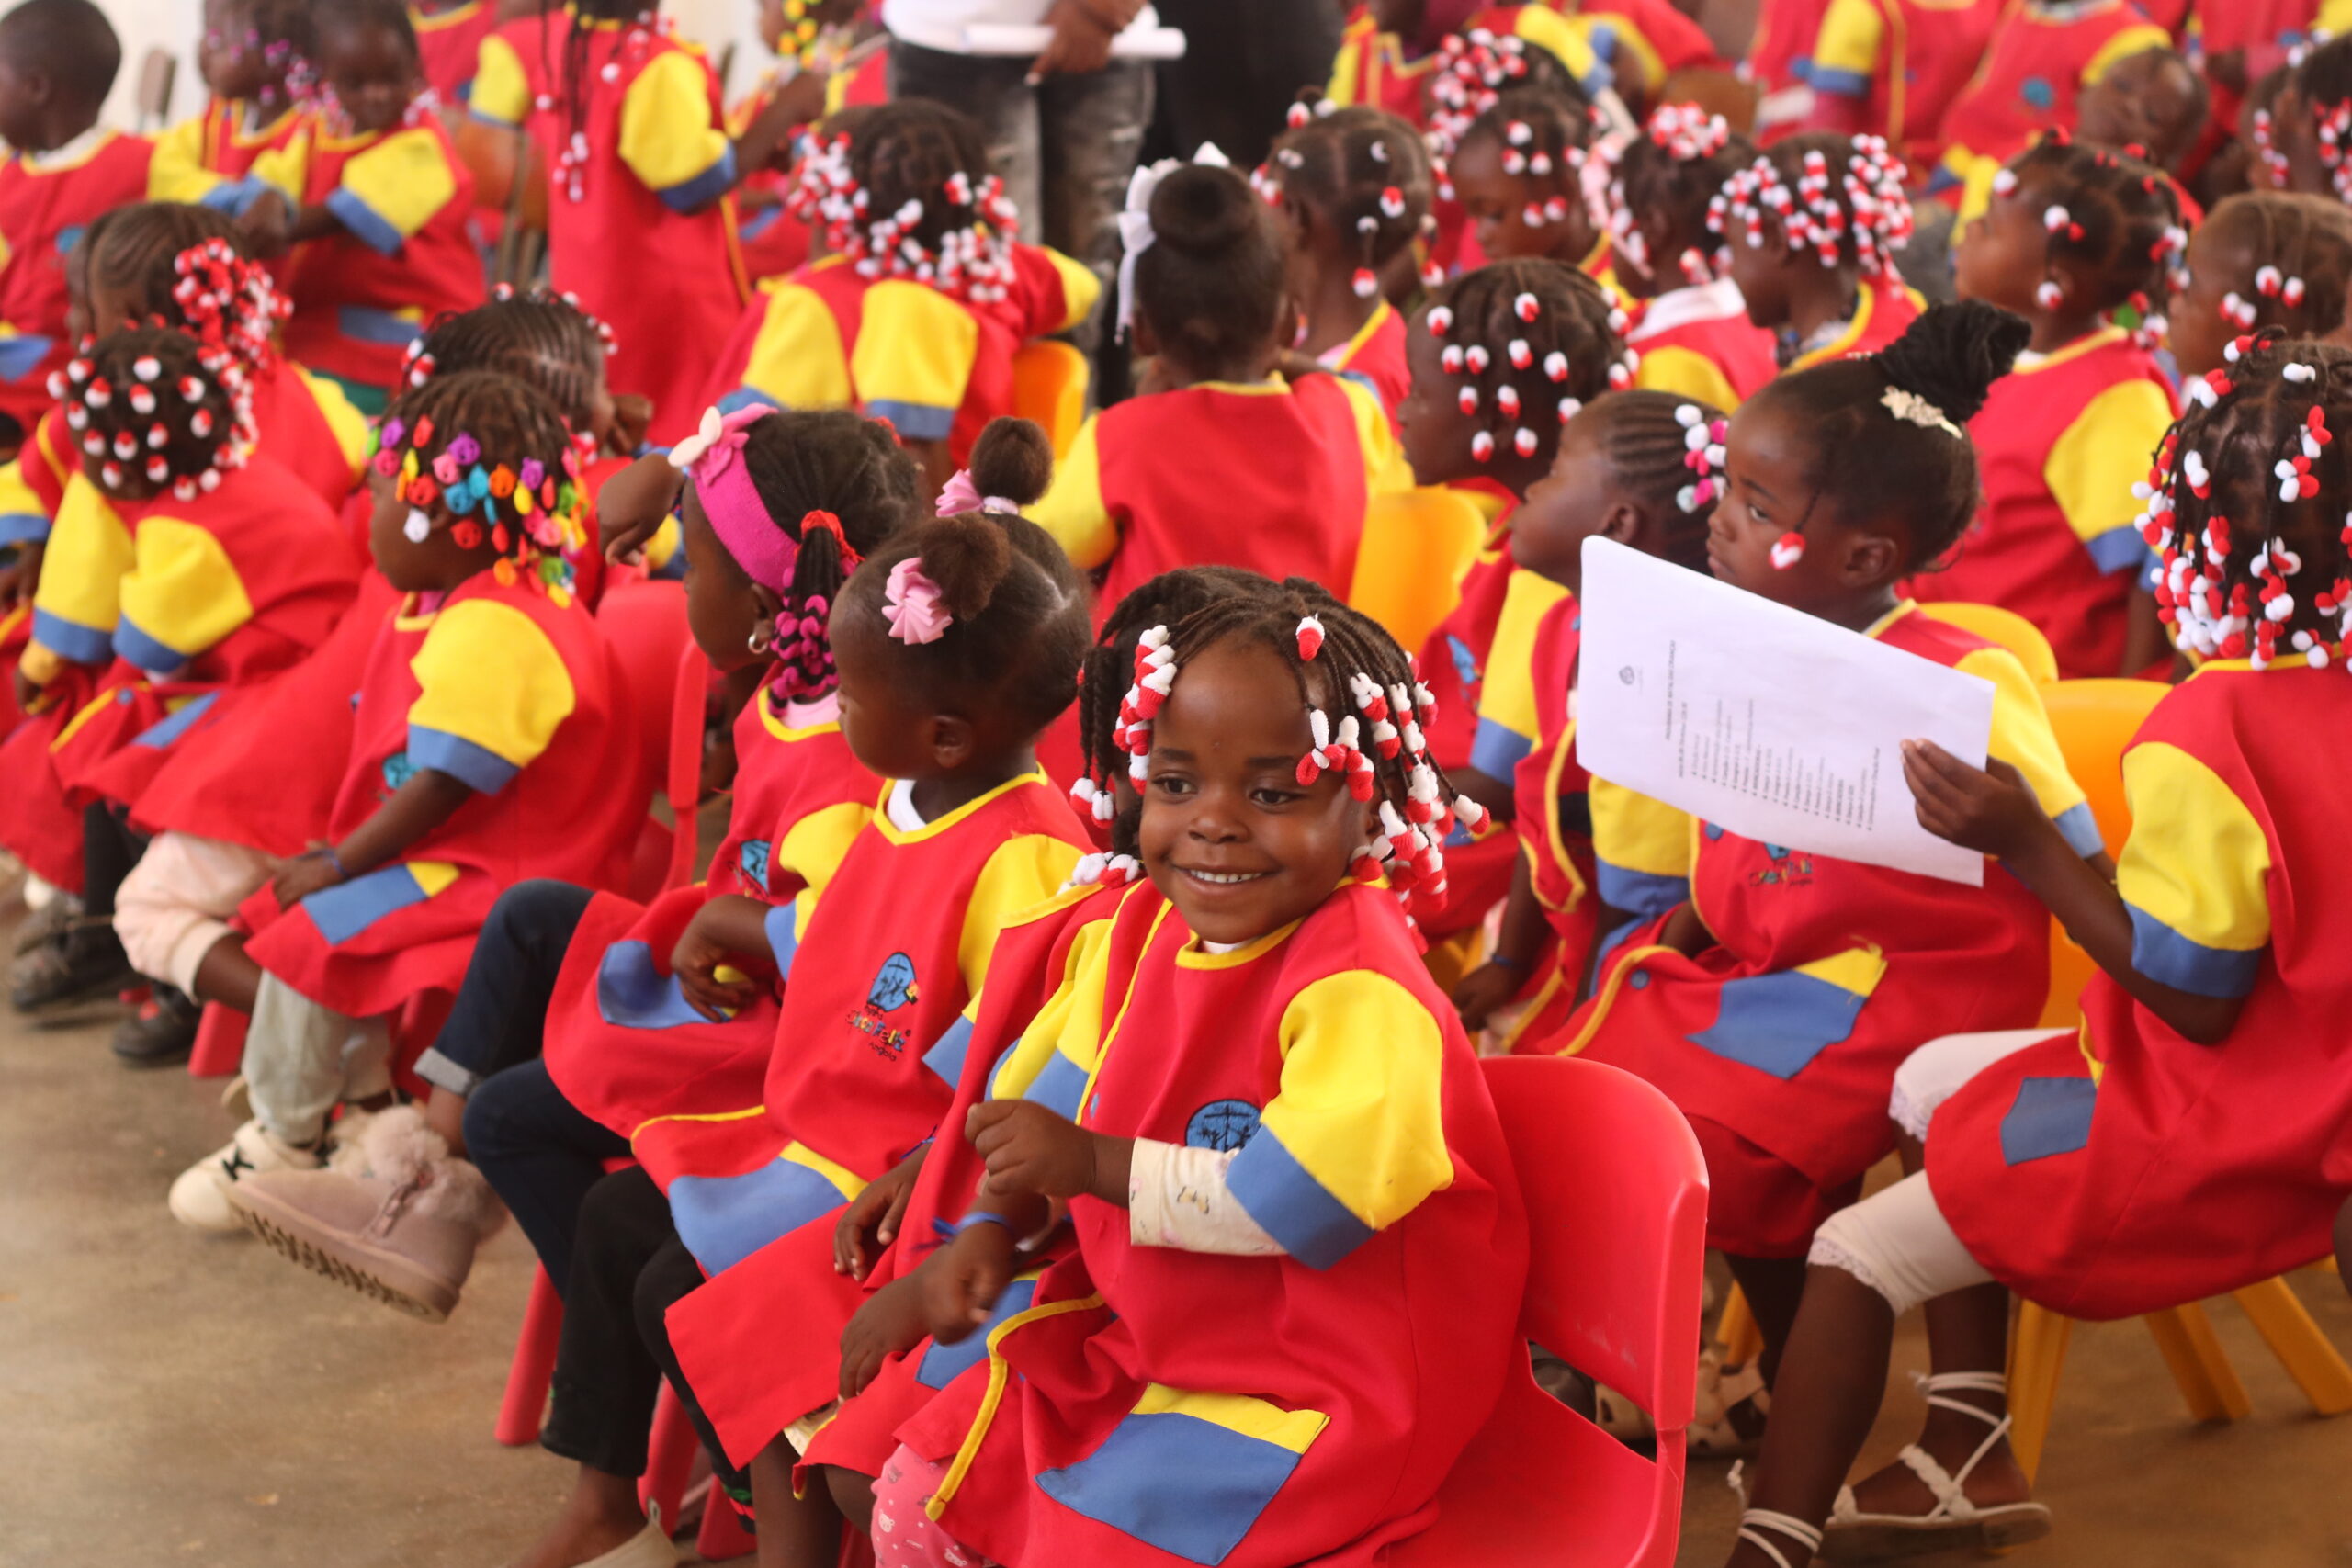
900 807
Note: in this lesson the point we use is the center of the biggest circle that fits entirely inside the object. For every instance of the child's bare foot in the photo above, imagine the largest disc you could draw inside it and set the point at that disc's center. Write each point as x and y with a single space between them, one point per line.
601 1516
1954 1498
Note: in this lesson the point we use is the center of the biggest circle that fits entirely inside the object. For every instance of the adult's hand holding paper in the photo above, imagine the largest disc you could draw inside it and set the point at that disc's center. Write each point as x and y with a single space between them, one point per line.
1765 720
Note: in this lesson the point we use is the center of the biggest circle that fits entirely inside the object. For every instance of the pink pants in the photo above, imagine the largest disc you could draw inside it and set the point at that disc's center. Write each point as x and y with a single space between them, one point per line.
176 902
904 1536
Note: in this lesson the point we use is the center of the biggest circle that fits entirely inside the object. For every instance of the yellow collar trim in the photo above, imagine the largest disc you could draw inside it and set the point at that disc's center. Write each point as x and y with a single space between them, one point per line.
1865 304
1380 314
431 21
783 731
931 830
2075 350
1191 955
1878 628
1274 386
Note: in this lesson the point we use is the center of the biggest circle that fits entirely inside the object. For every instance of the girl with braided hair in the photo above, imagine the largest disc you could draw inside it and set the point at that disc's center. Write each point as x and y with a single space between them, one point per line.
2263 260
1395 53
2187 1138
2075 236
1892 68
1517 174
2044 57
1287 800
256 58
1808 234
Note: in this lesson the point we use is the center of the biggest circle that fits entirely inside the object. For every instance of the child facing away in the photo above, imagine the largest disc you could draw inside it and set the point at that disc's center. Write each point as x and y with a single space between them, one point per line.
2261 260
1808 234
487 711
1644 468
921 294
1222 458
2188 1138
1892 68
383 247
2074 235
1692 330
1353 188
2044 56
1771 993
1235 1336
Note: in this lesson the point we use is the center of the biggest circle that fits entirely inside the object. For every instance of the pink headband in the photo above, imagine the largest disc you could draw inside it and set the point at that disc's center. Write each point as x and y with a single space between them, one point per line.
711 457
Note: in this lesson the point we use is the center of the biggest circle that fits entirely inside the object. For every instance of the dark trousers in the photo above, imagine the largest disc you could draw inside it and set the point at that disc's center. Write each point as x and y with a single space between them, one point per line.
1243 67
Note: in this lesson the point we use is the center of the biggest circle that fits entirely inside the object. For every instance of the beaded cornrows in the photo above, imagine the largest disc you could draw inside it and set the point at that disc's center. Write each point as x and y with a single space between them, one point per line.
1475 68
1530 344
1363 170
904 190
153 409
2115 217
1545 137
1672 174
2264 434
1839 197
492 455
2320 83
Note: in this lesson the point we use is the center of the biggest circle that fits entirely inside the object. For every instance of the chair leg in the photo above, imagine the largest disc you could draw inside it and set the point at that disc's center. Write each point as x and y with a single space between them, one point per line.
723 1535
2037 1352
669 1455
220 1042
524 1403
1736 1332
2300 1346
2208 1382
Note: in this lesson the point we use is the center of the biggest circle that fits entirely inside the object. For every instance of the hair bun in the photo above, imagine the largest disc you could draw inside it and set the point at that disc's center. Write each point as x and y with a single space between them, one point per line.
1204 209
1013 459
968 556
1953 353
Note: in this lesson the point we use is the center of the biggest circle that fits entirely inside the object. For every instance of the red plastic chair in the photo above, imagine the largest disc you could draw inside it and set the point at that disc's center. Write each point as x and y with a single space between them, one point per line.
1617 1204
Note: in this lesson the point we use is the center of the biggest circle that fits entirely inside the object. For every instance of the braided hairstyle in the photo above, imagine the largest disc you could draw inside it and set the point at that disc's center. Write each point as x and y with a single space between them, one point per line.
1530 342
1360 170
1877 462
1545 137
2116 218
540 337
490 458
571 77
2318 88
150 410
1836 200
904 190
1663 186
183 268
2261 439
1214 284
1367 712
2303 250
1668 450
1474 69
280 39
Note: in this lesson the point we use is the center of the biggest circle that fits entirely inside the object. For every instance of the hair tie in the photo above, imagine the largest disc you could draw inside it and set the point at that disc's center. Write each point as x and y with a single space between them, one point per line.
960 494
910 604
826 523
710 457
1135 222
1913 409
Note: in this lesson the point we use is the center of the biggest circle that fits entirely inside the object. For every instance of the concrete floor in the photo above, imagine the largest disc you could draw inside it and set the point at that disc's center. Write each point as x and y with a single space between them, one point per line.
167 1398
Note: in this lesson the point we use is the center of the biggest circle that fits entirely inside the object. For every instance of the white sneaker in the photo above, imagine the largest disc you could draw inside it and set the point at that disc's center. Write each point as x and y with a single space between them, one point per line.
199 1198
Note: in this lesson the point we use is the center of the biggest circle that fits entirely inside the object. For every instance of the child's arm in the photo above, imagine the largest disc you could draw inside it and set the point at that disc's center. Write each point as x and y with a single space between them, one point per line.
388 194
1844 60
428 799
1518 945
673 138
730 926
2090 470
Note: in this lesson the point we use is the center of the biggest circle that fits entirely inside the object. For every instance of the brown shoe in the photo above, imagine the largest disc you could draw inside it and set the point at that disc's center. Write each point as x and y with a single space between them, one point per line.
402 1231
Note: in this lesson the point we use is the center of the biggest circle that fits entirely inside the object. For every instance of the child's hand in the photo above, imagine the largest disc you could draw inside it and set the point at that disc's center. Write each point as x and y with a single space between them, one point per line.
20 578
696 962
892 1322
632 417
960 1283
634 503
268 225
302 877
1989 810
791 105
1032 1150
871 1222
1481 992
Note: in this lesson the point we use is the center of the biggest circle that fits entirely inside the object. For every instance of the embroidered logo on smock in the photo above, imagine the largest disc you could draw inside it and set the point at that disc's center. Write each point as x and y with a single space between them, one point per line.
1789 868
893 988
398 771
754 861
1223 1126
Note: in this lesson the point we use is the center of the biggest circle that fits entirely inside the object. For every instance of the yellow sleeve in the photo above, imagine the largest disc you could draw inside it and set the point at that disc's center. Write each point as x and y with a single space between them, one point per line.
669 137
181 596
2137 38
350 426
1553 33
1385 471
502 94
2022 738
1345 87
1640 850
287 169
1631 57
22 520
1021 874
1506 722
2193 875
484 732
1687 373
797 360
393 189
913 357
1072 508
2091 468
1355 1138
80 596
1846 52
2334 17
1081 290
812 848
178 162
1058 1053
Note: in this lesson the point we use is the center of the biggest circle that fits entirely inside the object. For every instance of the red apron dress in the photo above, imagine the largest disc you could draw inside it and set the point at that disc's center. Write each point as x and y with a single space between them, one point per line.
1554 829
1927 51
2135 1170
622 1043
448 45
2032 76
1777 61
1781 1042
1698 342
1155 1406
880 977
515 694
42 214
1884 309
1375 357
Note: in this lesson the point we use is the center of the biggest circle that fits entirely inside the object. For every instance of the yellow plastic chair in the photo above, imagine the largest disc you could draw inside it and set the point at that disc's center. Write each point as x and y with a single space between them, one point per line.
1416 545
2008 628
1049 384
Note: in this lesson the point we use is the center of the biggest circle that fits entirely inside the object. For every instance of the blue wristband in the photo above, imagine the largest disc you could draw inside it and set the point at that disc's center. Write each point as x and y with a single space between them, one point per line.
326 852
978 1217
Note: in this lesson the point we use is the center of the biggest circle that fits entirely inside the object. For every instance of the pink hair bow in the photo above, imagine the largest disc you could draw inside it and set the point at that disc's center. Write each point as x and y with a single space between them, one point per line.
960 494
911 603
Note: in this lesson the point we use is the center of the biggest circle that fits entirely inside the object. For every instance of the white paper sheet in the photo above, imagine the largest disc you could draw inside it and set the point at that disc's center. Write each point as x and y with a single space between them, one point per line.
1012 38
1763 719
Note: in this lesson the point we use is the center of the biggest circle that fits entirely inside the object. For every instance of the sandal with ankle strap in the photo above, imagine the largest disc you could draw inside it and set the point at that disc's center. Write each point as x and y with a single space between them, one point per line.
1753 1521
1853 1536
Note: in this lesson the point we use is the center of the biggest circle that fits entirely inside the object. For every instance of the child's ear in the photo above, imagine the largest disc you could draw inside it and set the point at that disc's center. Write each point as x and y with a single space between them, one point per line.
770 605
1146 341
953 741
1870 559
1628 525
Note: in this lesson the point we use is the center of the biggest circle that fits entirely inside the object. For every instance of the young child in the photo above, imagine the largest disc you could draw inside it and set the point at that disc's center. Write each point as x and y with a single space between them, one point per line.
2073 234
450 34
1776 1019
257 60
1393 51
384 205
1645 470
1692 330
1809 232
486 713
2300 139
1517 174
2262 260
2186 1139
628 120
1353 188
1643 43
811 67
1222 459
921 295
1234 1228
2044 56
1892 68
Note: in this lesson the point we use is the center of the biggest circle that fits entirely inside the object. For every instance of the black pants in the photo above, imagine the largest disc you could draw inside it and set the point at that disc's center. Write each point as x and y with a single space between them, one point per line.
109 848
1243 69
628 1269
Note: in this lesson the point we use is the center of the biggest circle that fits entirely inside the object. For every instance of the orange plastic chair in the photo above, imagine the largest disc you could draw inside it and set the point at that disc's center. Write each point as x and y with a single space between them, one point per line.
2008 628
1049 385
1416 545
1617 1205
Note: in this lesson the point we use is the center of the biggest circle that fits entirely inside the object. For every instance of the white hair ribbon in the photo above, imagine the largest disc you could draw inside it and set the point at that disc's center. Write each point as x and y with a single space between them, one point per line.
1135 222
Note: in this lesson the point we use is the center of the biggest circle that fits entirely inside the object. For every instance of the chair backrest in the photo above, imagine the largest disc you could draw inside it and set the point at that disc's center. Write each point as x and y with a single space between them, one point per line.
1416 545
1049 383
2094 721
157 72
2006 628
1616 1196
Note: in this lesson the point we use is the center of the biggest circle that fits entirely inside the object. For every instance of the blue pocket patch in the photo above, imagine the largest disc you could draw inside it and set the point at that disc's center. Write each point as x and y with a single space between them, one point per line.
1188 1486
725 1219
344 910
943 1364
632 994
168 731
1777 1023
2050 1116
